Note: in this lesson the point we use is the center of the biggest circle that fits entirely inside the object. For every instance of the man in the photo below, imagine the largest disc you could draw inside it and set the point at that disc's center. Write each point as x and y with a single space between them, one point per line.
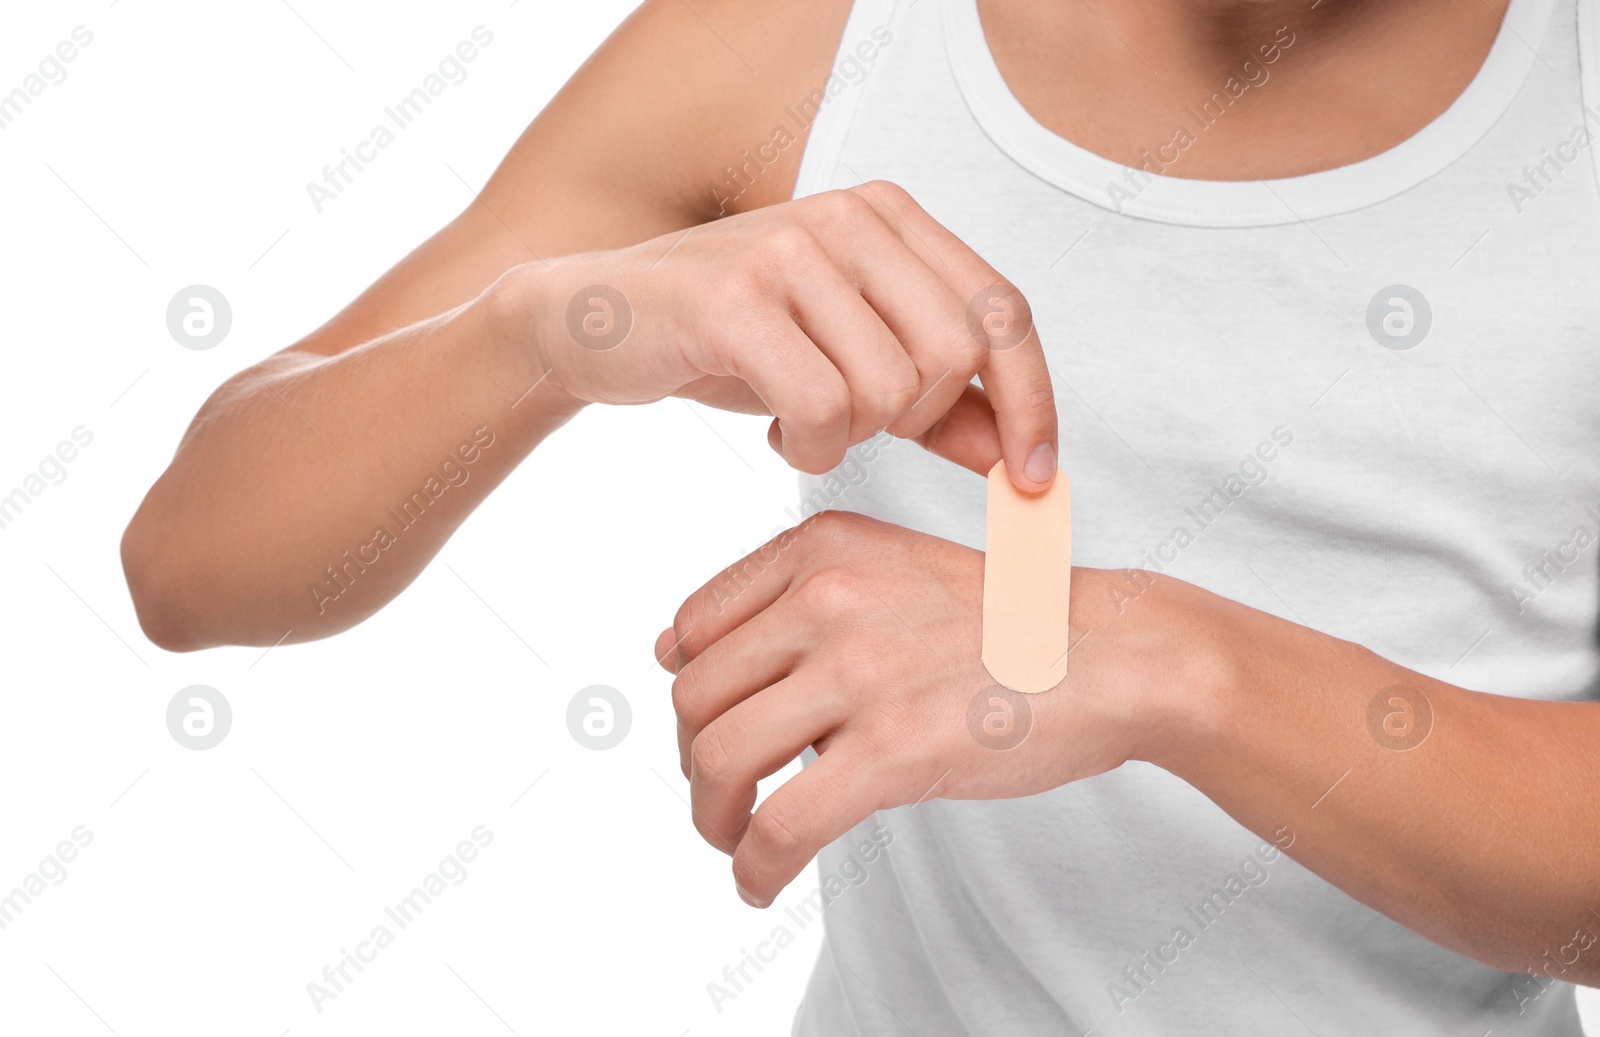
1315 284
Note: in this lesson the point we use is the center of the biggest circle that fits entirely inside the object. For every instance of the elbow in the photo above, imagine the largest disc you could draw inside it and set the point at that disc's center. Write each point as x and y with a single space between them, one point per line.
155 585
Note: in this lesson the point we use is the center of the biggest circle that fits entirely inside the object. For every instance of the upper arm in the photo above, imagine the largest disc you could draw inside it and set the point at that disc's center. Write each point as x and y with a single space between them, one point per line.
630 148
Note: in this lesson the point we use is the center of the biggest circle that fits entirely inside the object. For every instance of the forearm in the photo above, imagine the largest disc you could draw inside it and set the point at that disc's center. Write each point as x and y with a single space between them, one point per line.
310 490
1469 818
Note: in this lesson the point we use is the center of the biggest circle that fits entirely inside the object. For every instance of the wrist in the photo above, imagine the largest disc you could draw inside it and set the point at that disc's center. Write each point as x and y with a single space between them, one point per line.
521 320
1202 654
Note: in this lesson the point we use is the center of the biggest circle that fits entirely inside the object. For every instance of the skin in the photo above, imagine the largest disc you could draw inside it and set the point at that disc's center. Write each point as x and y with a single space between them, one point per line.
1360 77
841 315
832 645
864 640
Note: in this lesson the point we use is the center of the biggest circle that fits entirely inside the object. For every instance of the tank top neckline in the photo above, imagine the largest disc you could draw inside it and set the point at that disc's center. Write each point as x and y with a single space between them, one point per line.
1241 203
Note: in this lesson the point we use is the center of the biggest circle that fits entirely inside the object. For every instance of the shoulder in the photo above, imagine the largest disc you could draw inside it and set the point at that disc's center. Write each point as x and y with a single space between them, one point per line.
681 93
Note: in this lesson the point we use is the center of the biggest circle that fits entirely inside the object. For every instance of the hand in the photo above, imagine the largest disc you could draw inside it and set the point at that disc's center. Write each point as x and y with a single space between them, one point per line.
863 640
842 314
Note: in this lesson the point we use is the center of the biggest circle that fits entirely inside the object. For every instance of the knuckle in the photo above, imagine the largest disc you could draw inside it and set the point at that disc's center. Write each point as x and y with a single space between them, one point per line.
786 244
999 317
710 758
967 355
836 525
1021 311
1040 398
823 524
889 392
684 620
745 873
830 590
903 391
841 208
818 463
890 192
777 826
822 406
962 349
686 697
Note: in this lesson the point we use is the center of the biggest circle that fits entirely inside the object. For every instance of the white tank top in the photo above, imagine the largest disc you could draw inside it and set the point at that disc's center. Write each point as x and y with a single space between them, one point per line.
1366 399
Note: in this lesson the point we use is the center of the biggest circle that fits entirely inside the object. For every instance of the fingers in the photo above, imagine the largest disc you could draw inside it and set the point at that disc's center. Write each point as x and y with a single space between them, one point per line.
753 656
797 382
815 613
799 818
666 650
925 318
882 377
732 598
743 590
885 322
1014 372
852 312
1017 381
754 739
967 434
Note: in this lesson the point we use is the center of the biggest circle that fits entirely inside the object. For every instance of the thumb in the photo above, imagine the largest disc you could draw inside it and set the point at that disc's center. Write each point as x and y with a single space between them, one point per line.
967 434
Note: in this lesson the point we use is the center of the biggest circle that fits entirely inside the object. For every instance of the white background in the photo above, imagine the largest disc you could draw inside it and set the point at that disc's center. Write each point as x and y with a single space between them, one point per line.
222 882
219 883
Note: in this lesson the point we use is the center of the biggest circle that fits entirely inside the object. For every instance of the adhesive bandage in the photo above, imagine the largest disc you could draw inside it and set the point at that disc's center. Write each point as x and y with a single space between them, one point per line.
1027 581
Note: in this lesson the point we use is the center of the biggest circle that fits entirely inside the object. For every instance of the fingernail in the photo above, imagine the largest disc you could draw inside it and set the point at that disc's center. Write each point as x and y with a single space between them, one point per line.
1041 464
746 897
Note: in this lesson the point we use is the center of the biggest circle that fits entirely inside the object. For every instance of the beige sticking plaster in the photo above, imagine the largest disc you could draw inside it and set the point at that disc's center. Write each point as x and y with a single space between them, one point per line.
1027 581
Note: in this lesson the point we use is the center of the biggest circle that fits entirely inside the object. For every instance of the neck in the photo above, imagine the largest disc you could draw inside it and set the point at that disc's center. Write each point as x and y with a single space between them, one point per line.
1349 78
1196 31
